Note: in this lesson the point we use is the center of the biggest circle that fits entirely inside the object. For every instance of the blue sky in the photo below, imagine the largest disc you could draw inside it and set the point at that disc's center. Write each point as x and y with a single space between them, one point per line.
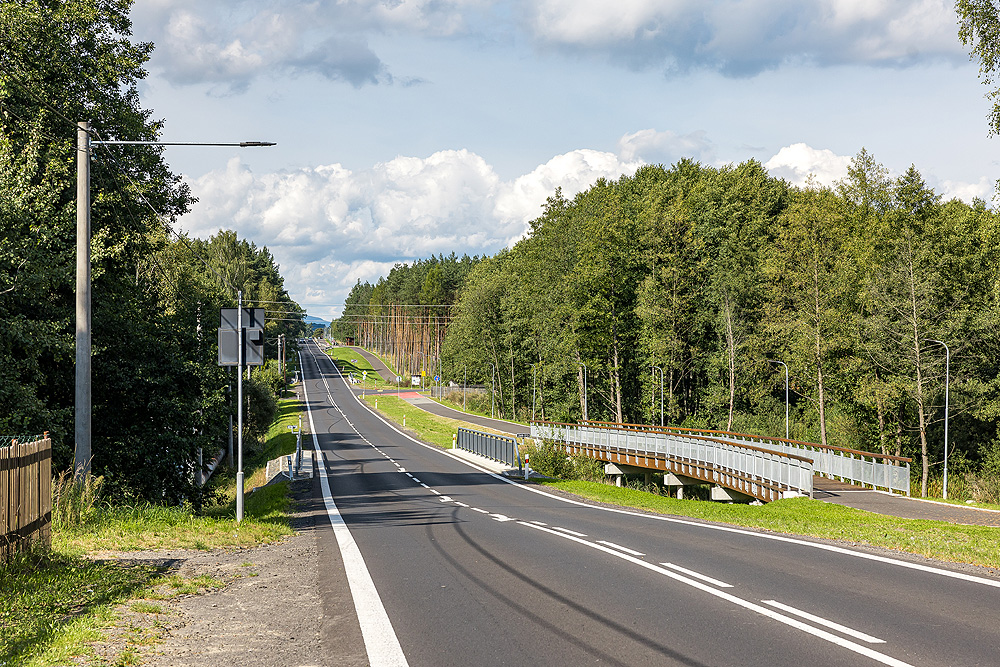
411 127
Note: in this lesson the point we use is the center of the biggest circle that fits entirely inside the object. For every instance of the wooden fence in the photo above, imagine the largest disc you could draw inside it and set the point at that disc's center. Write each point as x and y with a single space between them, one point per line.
25 493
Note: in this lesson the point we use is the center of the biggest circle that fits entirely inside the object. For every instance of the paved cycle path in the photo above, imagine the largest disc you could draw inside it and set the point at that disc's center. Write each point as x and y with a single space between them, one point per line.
882 502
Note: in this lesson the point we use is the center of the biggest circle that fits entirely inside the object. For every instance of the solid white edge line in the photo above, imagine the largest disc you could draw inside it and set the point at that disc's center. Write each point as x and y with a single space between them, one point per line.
631 552
381 642
697 575
824 622
746 604
707 526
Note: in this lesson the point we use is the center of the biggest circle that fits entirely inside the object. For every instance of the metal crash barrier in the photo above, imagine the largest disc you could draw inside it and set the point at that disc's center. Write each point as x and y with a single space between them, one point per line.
497 447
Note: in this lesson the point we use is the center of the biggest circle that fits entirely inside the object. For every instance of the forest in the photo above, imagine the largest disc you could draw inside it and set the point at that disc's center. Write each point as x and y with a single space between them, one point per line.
158 392
695 287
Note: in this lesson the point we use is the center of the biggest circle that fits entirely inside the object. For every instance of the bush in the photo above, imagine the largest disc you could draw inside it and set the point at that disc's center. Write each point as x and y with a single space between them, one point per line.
270 376
262 408
551 460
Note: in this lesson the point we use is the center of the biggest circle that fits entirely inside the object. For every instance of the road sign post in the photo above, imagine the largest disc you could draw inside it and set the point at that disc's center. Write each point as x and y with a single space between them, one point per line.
241 343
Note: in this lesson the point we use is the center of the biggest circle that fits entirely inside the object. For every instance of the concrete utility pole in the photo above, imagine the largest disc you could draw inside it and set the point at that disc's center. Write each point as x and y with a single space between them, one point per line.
83 400
81 462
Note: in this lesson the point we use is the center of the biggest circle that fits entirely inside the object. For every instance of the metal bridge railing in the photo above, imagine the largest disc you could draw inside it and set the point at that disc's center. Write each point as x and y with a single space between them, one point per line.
742 462
497 447
879 471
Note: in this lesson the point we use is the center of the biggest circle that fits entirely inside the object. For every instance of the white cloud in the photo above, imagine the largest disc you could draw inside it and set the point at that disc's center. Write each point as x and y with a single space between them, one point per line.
797 162
653 147
229 42
984 189
328 226
744 37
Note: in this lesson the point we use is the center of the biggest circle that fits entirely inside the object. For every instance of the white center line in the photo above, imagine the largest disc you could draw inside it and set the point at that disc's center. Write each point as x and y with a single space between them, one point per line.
621 548
481 511
569 532
696 575
746 604
824 622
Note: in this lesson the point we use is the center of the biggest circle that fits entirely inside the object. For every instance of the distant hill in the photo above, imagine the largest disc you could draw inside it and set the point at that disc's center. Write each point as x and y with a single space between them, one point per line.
315 322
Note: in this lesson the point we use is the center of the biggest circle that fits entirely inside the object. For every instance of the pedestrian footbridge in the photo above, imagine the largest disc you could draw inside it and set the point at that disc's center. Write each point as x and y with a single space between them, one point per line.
738 466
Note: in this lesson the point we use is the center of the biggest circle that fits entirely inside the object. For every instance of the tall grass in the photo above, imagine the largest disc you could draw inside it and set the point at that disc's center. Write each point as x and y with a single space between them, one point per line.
74 500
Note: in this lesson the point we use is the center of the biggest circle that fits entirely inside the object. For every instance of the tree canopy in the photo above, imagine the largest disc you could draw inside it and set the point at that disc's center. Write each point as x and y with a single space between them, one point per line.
158 393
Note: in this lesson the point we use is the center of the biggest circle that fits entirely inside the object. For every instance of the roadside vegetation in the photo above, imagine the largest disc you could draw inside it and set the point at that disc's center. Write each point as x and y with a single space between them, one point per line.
55 603
426 426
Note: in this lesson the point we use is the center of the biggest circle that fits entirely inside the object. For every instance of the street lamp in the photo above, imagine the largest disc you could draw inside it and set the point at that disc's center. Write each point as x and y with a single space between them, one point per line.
465 381
657 368
774 361
83 394
947 381
584 389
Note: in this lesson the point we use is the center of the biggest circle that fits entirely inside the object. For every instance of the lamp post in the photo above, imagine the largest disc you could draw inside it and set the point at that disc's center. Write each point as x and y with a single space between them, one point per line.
947 382
774 361
83 402
465 381
657 368
584 389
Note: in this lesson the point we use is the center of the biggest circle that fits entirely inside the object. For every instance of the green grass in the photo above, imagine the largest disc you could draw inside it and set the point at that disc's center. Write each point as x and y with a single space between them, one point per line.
349 360
428 427
54 604
978 545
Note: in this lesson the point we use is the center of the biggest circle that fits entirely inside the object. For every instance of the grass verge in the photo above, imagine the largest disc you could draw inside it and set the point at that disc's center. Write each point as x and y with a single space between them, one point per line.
349 360
977 545
56 605
428 427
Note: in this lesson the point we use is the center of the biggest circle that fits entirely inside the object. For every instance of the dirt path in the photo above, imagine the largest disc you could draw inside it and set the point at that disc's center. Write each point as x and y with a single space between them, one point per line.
277 607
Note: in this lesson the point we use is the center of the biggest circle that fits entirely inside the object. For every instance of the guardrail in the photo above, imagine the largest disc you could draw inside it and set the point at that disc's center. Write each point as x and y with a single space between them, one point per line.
25 492
754 471
497 447
879 471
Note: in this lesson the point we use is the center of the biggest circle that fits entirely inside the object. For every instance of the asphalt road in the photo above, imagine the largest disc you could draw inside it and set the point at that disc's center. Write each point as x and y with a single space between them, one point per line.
470 568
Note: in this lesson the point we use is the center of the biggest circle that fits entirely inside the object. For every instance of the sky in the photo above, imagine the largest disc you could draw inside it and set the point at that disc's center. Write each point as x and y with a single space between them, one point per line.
409 128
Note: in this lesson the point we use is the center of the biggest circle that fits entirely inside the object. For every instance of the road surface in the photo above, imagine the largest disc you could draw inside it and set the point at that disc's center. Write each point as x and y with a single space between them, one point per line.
450 565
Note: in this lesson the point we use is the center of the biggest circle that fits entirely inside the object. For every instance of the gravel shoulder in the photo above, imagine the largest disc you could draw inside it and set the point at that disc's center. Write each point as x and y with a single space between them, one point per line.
275 607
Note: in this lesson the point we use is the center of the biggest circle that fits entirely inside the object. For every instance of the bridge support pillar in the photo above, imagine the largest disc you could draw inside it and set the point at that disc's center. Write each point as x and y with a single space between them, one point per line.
619 470
730 496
